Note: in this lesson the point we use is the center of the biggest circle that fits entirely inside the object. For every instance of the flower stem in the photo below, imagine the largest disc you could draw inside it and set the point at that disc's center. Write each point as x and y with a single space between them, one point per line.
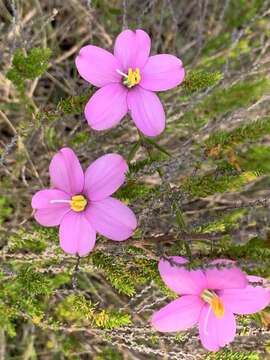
133 150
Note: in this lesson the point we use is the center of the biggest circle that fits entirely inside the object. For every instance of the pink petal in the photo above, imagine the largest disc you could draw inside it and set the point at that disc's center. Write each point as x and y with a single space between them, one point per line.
48 214
180 314
245 301
146 111
104 176
111 218
180 280
232 278
66 172
107 107
162 72
98 66
76 234
263 281
216 333
132 48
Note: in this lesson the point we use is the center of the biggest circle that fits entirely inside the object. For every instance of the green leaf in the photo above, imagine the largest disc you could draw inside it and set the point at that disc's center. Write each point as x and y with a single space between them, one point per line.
28 66
156 145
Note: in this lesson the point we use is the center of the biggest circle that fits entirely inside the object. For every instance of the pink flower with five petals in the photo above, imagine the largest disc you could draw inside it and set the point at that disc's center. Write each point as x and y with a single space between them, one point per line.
128 80
210 299
81 203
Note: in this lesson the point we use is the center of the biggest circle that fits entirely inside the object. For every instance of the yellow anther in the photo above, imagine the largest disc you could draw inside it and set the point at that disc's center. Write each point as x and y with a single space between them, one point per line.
217 307
133 78
78 203
214 301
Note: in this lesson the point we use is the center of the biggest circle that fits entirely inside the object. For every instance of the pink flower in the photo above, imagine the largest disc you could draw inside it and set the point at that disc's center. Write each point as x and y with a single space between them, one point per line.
260 281
81 204
128 80
210 299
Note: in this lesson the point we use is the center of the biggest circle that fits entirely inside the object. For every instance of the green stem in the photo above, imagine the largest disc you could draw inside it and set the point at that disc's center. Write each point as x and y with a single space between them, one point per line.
182 227
145 143
133 150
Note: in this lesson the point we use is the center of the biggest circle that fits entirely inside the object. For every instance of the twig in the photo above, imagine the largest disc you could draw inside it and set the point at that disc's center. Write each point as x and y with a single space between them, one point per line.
125 25
74 279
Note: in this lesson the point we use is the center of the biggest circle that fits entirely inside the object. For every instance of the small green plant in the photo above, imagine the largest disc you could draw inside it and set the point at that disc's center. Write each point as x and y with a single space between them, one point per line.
233 355
5 209
199 80
78 309
28 66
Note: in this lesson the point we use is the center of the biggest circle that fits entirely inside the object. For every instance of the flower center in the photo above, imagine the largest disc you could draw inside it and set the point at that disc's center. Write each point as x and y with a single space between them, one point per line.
78 203
215 302
132 78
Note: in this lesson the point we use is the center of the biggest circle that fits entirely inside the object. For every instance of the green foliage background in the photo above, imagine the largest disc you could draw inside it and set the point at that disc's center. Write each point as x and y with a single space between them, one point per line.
200 190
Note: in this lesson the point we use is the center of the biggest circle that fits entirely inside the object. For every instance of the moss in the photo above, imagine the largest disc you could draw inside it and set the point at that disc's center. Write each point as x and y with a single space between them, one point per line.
33 283
64 345
199 80
5 209
233 355
234 97
26 294
223 101
81 137
28 66
74 105
248 132
134 190
136 166
35 239
76 308
123 277
115 273
109 354
30 293
256 158
226 223
7 318
233 55
241 11
59 280
205 185
256 250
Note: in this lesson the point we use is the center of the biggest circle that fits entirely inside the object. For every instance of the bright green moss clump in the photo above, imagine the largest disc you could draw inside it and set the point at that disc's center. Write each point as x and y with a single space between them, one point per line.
233 355
35 240
121 276
199 80
248 132
134 190
210 184
237 96
228 222
76 308
256 158
28 66
223 101
74 104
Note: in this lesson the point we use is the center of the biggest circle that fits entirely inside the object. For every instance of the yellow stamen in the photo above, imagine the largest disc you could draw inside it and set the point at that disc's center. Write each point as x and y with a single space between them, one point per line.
78 203
214 301
133 78
217 307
